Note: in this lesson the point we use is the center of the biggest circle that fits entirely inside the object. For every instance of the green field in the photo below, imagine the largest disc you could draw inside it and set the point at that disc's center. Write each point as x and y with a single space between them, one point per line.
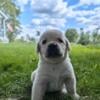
18 60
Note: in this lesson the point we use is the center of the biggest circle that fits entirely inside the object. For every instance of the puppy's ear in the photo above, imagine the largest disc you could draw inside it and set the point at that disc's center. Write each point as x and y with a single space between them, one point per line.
67 44
38 48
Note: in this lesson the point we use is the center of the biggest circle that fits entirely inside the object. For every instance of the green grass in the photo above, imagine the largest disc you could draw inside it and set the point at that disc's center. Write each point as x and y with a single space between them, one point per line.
16 64
18 60
86 63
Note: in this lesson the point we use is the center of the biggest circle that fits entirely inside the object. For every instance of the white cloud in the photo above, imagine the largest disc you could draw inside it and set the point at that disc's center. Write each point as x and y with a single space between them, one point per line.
89 2
89 18
79 13
93 19
22 3
49 13
55 13
49 6
55 22
91 27
36 21
26 29
83 20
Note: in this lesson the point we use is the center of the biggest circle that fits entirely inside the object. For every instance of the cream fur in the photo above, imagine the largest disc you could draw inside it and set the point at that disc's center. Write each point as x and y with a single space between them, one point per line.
50 76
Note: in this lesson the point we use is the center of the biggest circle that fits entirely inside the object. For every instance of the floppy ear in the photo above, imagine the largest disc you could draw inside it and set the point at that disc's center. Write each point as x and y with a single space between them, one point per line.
67 44
38 48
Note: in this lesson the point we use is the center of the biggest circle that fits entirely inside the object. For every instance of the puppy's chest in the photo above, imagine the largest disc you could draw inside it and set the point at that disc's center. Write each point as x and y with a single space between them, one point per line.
55 76
56 79
54 73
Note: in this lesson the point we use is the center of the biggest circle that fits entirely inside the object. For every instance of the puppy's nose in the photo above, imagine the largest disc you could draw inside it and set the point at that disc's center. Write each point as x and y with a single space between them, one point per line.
53 50
52 46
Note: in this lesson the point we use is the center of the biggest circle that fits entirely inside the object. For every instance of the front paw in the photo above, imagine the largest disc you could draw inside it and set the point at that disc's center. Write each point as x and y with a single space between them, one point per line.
75 96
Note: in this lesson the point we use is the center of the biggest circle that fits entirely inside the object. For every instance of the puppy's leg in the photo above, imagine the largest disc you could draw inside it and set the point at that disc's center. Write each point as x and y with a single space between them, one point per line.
71 87
64 90
33 76
38 89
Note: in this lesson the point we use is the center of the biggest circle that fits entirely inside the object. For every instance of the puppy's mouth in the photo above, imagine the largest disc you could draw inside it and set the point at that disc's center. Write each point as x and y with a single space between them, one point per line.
53 51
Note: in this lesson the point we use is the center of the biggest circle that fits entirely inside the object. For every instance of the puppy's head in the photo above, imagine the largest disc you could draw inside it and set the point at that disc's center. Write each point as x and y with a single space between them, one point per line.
53 46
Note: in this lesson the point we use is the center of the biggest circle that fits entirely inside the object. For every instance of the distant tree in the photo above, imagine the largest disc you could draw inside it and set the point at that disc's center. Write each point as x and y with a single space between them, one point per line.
96 36
0 40
30 38
9 7
38 33
11 36
21 39
84 37
72 34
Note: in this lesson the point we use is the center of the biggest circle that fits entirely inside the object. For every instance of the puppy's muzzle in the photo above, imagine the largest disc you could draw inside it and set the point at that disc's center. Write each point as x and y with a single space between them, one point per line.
53 51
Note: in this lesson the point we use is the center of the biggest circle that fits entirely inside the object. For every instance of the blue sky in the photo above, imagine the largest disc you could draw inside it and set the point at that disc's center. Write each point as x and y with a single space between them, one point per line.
60 14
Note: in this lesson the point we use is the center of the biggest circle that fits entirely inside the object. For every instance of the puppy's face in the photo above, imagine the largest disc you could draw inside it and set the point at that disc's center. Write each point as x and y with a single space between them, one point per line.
53 46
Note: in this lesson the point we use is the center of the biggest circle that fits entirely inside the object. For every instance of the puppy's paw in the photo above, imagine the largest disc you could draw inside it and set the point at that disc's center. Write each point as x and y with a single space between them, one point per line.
33 76
76 97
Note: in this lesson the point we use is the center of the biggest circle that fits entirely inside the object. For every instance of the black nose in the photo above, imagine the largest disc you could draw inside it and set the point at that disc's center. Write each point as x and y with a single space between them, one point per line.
52 46
53 50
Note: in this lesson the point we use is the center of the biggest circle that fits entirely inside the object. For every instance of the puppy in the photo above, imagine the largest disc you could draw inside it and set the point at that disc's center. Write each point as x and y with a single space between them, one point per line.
54 69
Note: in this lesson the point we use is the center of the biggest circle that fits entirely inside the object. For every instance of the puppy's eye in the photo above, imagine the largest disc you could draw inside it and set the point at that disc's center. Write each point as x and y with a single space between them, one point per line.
44 41
60 40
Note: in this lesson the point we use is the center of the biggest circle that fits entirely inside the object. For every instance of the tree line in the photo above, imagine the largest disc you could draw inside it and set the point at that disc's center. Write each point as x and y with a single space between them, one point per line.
83 37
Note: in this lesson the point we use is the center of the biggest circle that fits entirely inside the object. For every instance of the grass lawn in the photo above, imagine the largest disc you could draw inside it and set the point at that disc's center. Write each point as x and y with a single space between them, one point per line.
18 60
